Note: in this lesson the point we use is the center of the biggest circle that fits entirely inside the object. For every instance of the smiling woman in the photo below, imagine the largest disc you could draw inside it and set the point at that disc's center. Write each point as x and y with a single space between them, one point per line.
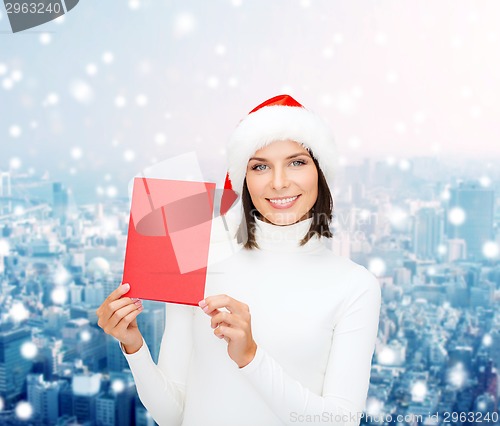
274 147
287 329
284 185
282 181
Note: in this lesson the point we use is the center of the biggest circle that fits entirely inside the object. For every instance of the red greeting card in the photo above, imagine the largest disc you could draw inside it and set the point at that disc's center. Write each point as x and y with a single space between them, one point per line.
168 240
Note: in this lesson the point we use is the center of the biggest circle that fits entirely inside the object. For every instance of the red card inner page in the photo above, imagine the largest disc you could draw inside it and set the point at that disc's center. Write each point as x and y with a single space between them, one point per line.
168 240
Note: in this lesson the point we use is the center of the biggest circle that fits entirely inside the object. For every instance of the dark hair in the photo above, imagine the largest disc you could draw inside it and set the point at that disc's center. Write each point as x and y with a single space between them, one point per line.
321 213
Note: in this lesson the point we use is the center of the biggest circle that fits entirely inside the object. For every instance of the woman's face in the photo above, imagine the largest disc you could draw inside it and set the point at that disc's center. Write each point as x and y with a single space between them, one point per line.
282 180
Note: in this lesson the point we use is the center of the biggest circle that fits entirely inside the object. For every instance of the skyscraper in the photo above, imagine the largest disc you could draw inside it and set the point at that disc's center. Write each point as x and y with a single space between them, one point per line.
5 192
116 360
476 203
116 405
14 368
427 233
44 398
59 201
151 322
86 388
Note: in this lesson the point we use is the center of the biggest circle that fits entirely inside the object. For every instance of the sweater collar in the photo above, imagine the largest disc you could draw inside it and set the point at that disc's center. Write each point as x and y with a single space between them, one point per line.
286 238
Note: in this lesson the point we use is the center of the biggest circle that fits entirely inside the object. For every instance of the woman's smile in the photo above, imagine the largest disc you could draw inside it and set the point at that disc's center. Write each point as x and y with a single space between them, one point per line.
283 202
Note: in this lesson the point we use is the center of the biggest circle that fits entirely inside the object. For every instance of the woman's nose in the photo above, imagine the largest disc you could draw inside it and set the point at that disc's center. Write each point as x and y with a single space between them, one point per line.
279 179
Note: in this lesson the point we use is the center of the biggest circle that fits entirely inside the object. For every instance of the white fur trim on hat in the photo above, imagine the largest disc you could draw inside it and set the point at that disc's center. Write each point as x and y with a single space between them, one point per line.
273 123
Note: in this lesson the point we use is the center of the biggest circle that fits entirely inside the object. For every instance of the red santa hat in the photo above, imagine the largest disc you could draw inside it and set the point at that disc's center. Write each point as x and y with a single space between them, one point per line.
279 118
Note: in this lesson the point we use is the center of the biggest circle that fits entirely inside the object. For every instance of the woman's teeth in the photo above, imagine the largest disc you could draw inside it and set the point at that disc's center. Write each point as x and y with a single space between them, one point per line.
283 201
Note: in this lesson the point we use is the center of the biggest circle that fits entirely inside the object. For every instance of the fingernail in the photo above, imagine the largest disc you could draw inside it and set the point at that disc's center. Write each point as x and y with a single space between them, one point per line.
138 302
205 309
202 303
134 299
126 286
140 308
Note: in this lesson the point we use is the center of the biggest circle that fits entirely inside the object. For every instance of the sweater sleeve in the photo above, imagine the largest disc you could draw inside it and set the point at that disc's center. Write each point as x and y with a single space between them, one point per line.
161 387
347 375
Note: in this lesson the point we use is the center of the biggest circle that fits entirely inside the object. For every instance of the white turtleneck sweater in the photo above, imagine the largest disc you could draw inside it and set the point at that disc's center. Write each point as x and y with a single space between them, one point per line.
314 319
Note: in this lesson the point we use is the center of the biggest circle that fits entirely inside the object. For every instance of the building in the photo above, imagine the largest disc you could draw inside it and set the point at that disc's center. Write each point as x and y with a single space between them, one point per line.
116 406
5 193
456 249
59 201
476 203
427 233
13 367
44 398
86 388
151 322
116 360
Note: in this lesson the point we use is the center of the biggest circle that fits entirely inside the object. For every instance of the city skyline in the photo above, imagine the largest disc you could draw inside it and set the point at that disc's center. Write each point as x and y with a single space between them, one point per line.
438 342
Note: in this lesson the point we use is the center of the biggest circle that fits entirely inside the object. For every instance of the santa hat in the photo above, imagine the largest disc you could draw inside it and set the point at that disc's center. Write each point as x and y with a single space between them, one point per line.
279 118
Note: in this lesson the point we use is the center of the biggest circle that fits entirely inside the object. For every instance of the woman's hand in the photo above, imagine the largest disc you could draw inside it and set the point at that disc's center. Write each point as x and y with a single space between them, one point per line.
233 326
117 317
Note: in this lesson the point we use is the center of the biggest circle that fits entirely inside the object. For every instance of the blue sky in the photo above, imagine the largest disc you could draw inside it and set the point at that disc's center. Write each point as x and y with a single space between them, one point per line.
116 86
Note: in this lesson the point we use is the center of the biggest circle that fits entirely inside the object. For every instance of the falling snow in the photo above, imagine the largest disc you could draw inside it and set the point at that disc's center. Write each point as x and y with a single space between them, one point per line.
120 101
487 340
4 247
91 69
85 336
386 356
456 216
7 83
141 100
457 375
184 24
76 153
61 276
220 50
111 191
108 58
59 295
81 91
398 217
160 138
118 386
419 391
404 164
377 266
374 406
134 4
29 350
16 75
15 131
18 312
490 249
24 410
45 38
212 82
52 99
129 155
15 163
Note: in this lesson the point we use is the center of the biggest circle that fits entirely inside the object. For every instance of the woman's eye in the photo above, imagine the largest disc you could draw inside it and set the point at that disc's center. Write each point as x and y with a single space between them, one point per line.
256 167
299 161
